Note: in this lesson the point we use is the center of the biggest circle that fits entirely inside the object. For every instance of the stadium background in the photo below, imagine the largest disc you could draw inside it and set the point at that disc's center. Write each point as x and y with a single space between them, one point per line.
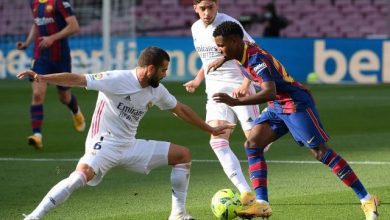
345 42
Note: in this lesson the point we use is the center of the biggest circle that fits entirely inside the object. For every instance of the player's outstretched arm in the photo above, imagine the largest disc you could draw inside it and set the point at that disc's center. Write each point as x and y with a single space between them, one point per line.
187 114
62 79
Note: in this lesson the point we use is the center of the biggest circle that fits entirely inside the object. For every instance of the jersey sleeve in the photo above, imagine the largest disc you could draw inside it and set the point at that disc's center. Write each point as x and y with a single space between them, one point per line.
64 8
261 68
164 99
110 82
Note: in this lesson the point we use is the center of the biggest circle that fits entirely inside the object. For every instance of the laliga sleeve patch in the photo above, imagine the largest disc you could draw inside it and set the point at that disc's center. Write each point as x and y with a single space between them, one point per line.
97 76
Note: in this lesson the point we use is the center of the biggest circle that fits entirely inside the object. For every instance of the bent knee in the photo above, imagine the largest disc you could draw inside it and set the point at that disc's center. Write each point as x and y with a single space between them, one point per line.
179 155
87 171
319 152
250 143
37 98
186 156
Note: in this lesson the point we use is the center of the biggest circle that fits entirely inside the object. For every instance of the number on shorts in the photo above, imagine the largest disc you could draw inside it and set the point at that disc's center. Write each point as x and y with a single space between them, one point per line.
97 146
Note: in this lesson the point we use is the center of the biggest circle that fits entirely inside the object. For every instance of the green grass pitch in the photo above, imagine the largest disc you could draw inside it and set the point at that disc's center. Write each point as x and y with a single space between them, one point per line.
356 117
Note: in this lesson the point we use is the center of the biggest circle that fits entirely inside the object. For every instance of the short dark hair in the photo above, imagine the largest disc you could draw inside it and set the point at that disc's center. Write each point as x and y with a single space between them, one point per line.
228 28
152 56
198 1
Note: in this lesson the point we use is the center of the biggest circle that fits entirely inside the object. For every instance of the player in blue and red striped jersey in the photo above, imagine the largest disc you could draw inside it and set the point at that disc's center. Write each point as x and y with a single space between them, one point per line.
291 108
54 21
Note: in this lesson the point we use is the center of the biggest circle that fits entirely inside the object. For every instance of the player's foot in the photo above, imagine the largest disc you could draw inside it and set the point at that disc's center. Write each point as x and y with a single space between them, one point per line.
79 121
248 198
181 216
29 217
256 210
35 140
370 208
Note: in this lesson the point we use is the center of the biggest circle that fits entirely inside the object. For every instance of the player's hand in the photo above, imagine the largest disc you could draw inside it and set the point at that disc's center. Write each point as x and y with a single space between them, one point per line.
191 86
222 129
215 65
240 92
45 42
20 45
28 73
225 98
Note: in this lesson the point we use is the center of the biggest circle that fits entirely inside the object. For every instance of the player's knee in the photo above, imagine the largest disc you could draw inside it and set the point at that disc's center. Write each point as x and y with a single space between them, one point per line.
37 98
251 143
64 96
87 171
318 152
64 100
186 156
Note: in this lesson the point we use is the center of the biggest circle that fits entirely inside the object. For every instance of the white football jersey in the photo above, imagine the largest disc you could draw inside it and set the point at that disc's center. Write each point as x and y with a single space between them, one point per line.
207 49
122 103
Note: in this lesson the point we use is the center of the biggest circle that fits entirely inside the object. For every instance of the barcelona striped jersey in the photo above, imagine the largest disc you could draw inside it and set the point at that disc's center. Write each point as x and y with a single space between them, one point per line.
260 66
49 18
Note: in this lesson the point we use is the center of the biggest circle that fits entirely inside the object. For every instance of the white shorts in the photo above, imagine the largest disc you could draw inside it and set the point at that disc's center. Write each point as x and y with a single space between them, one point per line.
140 156
245 114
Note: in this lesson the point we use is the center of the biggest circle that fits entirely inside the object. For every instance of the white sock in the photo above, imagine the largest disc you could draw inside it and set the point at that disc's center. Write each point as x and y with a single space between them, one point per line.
262 201
230 164
180 177
59 193
366 198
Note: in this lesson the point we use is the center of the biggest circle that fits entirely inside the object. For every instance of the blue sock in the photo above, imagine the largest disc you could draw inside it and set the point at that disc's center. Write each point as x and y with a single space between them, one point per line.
258 172
36 113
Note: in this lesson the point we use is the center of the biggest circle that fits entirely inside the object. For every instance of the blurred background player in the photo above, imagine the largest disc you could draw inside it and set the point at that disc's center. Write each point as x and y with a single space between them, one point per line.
273 23
124 98
227 79
54 21
291 108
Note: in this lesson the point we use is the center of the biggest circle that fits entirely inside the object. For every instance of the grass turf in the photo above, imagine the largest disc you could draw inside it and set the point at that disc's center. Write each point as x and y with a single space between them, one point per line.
356 118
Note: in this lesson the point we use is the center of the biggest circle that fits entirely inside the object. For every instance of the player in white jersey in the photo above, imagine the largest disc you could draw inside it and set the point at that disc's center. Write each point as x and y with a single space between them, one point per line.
124 98
227 79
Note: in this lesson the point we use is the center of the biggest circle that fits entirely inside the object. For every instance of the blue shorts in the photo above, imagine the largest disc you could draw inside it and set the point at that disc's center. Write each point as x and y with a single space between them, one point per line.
305 125
44 66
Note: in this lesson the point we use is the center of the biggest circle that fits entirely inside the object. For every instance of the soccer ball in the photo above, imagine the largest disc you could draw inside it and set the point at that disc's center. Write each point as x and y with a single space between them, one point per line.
225 204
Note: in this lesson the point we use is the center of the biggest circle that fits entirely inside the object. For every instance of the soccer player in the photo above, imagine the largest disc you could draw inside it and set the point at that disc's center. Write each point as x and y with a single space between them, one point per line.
124 98
54 21
291 108
227 79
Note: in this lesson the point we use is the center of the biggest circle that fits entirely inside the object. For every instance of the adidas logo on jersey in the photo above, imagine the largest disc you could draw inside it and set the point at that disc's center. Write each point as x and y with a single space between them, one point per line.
249 119
128 98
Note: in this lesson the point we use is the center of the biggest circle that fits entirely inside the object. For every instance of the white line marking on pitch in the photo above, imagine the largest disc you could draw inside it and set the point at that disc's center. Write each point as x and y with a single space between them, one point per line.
197 161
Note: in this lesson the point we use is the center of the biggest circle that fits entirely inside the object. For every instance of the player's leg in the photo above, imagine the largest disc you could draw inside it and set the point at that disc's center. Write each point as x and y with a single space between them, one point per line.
161 153
67 98
39 66
62 190
36 113
230 163
345 173
100 156
260 136
220 114
307 129
180 159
